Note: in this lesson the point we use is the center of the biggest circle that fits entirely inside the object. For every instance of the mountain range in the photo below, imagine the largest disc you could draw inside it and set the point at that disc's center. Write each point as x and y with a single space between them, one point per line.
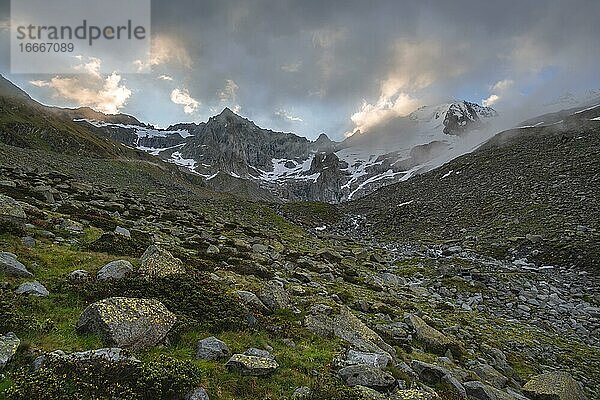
293 168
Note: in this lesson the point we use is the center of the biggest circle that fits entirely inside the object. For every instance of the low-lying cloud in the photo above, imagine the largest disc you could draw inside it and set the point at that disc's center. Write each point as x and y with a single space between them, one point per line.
183 97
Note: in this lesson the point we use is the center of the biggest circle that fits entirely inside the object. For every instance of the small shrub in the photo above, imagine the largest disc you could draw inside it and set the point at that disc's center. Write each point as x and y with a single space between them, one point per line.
327 387
12 317
196 299
164 378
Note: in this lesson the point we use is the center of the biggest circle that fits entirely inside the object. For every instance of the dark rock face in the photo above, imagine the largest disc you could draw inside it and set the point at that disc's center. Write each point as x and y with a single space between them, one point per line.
371 377
463 116
230 143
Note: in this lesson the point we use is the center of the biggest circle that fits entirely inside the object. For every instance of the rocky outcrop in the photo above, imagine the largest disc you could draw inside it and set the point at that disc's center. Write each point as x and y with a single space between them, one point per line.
464 116
127 322
553 386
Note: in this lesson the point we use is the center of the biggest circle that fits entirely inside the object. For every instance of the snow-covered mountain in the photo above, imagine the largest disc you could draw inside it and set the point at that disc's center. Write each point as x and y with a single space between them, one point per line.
294 168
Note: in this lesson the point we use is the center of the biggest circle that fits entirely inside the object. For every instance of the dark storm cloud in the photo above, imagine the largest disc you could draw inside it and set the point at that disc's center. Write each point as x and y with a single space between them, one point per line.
308 66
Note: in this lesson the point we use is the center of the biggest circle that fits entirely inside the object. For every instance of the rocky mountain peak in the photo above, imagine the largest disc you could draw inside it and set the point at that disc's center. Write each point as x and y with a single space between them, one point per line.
463 116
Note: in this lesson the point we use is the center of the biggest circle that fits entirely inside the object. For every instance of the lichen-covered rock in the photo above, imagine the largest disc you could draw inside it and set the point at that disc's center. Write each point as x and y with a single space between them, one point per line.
197 394
115 270
251 365
365 393
127 322
158 262
553 386
78 276
434 340
490 375
114 355
211 348
253 351
212 250
274 296
10 266
364 375
412 394
348 327
12 216
9 343
302 392
122 231
33 289
252 301
376 360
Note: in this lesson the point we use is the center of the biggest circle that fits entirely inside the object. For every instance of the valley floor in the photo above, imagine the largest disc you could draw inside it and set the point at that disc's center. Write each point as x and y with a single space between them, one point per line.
305 314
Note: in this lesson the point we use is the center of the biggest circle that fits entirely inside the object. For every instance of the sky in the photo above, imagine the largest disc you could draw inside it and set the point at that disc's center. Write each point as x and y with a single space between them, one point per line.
336 67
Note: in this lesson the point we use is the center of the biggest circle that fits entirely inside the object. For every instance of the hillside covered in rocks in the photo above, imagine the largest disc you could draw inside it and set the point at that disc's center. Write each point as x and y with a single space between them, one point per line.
126 279
123 276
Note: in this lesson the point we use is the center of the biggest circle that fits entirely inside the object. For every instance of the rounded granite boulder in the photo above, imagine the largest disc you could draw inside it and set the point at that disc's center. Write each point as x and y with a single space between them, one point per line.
127 322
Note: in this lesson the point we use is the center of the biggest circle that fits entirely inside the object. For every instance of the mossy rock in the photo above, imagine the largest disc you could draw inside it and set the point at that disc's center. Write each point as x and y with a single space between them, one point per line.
553 386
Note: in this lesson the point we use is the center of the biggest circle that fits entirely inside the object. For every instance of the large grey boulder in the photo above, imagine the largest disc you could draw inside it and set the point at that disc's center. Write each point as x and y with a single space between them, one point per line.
158 262
10 266
11 213
252 301
376 360
367 376
251 365
127 322
434 340
556 385
9 343
490 375
211 348
115 270
324 322
274 296
33 289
